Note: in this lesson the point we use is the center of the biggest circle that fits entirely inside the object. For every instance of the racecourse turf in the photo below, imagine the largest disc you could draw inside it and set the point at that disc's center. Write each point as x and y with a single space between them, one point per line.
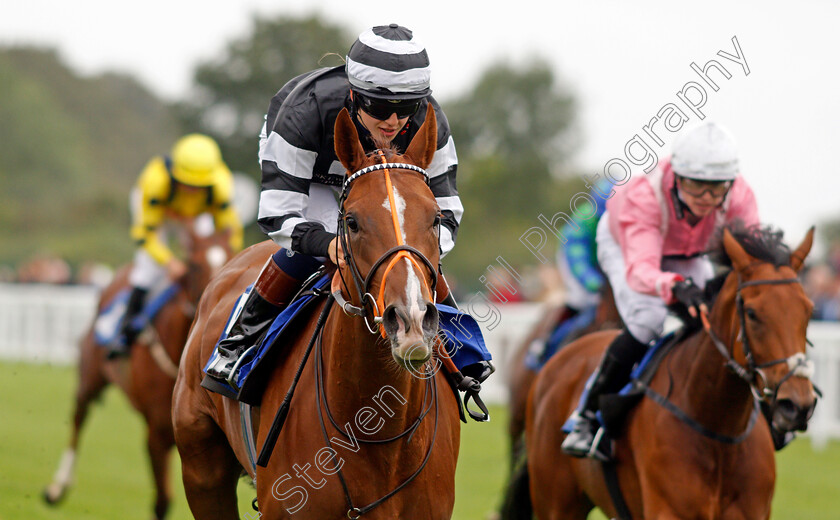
113 479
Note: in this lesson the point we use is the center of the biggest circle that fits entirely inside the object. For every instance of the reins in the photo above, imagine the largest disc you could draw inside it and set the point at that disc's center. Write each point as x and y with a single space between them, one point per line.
370 307
797 365
354 512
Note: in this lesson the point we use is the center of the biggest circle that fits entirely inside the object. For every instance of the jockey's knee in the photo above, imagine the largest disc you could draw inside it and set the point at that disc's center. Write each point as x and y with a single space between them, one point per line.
296 265
646 323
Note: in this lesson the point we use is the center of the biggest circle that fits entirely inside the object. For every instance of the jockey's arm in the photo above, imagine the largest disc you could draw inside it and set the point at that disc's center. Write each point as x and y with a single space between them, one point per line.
153 190
579 251
226 218
641 243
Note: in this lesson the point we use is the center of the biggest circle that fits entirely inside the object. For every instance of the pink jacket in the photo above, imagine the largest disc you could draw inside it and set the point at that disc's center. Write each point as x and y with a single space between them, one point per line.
643 221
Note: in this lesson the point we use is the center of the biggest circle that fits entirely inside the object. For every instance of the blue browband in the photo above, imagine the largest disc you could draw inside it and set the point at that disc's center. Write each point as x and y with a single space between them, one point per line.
382 166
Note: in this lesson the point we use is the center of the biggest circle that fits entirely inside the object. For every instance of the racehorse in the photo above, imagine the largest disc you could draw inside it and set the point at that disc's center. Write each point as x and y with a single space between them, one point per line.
522 376
692 447
379 425
147 376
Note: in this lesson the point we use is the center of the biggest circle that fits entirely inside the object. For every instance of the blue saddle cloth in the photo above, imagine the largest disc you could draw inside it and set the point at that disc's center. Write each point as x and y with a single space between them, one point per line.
537 359
641 367
108 324
462 336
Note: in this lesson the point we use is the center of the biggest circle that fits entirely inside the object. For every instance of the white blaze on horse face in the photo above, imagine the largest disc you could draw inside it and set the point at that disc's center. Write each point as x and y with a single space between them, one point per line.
413 287
216 257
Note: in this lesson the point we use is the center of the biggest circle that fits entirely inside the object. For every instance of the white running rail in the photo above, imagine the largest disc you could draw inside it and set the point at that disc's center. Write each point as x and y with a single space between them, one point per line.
43 324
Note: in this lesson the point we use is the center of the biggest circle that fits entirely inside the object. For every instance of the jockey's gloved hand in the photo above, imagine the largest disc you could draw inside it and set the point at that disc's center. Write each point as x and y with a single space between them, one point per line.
689 295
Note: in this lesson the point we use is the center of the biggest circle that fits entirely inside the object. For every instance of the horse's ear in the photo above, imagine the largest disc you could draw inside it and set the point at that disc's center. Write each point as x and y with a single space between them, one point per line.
797 258
734 251
348 149
423 146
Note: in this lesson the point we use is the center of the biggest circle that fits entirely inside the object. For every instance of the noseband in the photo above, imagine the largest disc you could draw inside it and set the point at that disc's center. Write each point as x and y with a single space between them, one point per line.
797 364
373 307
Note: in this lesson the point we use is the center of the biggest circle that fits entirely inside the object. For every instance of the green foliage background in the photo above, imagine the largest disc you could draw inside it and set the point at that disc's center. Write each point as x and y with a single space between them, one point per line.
70 149
72 146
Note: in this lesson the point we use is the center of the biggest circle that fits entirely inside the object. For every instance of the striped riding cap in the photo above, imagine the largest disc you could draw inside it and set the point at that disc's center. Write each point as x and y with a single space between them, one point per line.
388 62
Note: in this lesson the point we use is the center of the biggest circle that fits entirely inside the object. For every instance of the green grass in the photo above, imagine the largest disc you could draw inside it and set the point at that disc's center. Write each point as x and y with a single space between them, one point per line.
113 478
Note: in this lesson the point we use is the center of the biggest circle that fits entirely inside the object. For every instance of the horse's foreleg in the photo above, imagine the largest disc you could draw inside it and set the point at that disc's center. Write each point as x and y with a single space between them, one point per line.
160 443
91 383
209 467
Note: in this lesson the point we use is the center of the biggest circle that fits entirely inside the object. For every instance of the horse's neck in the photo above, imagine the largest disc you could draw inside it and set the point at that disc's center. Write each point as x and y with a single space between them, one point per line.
362 382
710 393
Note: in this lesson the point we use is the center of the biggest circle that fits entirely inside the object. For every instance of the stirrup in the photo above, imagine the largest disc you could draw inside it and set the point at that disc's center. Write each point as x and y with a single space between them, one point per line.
595 451
235 368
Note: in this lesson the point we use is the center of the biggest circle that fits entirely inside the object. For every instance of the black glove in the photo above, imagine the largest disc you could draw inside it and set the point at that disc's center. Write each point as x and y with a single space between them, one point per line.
689 295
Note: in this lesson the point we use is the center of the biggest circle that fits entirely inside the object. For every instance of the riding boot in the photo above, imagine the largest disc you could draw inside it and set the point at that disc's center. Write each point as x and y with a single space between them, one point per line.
271 293
128 332
610 376
480 370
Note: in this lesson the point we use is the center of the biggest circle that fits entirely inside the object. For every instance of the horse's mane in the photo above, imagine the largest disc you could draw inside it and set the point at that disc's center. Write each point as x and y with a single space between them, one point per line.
386 148
762 242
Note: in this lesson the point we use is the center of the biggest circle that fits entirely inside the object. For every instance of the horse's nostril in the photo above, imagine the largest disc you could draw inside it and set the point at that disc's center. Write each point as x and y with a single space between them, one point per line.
392 316
430 319
787 408
389 320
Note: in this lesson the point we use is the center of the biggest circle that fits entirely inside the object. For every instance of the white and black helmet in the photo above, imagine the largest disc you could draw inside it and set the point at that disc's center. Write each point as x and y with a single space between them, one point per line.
388 62
706 153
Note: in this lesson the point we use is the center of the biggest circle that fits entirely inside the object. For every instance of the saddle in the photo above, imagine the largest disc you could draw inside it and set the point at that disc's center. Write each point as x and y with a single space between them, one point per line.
459 332
108 323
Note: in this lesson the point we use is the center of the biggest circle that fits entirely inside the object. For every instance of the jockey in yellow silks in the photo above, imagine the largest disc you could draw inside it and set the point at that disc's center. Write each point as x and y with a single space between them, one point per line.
177 188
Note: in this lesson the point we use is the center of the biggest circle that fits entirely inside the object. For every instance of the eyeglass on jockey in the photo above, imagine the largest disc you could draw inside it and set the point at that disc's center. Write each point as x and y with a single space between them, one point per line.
382 109
697 188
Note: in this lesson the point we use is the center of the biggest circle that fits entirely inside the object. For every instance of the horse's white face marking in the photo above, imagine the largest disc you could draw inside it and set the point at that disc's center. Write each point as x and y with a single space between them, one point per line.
216 257
413 287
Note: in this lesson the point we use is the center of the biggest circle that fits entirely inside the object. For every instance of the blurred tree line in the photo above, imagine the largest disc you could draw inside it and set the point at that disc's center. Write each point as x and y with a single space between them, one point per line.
72 146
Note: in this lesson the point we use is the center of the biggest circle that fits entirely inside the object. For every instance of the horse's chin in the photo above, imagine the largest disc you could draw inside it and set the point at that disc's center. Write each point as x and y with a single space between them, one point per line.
788 417
413 356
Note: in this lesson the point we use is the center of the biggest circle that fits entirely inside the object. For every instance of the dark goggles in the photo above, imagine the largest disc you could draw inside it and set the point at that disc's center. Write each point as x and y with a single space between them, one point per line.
382 109
697 188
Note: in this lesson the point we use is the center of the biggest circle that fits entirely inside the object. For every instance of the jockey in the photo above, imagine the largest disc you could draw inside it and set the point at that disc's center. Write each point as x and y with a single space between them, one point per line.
649 245
577 263
193 180
385 87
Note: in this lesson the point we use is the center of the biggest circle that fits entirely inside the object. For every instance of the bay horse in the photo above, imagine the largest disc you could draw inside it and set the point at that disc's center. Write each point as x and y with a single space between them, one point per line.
692 447
147 376
522 377
383 441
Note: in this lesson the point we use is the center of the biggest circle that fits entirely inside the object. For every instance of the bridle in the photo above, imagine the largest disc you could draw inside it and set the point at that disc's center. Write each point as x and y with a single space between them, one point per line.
797 366
753 372
371 307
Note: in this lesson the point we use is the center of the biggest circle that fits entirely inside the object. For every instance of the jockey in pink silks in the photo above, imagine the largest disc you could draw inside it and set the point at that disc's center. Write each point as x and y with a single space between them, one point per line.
650 245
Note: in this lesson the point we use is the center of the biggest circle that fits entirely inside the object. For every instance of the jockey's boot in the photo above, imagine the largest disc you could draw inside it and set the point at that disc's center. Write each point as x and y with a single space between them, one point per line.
271 292
610 376
128 332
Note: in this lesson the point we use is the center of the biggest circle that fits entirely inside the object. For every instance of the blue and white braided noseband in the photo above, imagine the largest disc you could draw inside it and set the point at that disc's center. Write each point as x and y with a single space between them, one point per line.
382 166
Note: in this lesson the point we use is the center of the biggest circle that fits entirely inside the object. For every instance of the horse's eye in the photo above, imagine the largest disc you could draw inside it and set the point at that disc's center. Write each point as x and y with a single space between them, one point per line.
352 225
436 223
751 314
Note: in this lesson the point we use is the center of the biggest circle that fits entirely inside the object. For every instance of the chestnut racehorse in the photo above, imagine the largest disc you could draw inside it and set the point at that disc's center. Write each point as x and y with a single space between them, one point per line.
365 435
522 376
147 376
693 447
